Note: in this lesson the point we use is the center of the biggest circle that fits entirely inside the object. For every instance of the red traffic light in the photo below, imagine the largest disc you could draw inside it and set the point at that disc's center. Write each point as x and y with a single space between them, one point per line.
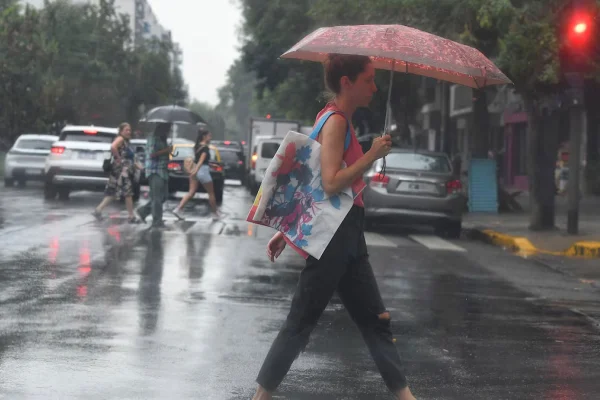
580 28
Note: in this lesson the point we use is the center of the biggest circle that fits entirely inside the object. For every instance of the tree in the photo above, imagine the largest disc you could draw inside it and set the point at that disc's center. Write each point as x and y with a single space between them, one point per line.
529 55
212 117
75 63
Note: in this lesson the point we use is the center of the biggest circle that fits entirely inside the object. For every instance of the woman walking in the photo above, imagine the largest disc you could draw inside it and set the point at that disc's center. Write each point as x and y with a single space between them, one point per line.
200 173
344 266
120 180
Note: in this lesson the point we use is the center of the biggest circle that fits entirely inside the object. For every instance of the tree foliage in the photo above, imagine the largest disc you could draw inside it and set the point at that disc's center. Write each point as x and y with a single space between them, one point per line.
76 63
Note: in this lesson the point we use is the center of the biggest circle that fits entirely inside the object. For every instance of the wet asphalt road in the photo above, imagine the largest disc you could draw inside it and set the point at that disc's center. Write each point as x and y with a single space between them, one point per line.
114 311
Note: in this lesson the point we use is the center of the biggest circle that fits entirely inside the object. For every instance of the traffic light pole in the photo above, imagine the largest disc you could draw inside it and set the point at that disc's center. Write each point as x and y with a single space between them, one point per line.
574 171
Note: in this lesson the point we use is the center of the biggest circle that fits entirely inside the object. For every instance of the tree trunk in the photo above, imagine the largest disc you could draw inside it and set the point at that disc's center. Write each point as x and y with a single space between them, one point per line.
481 124
542 146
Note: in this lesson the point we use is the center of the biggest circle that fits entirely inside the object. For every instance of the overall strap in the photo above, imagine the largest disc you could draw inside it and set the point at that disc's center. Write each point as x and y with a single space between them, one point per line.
319 126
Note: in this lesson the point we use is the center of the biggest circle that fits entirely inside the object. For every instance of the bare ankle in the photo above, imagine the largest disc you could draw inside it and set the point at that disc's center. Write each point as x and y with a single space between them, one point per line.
262 394
405 394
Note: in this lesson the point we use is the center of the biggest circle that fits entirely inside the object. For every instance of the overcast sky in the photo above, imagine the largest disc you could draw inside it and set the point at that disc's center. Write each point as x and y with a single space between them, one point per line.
207 33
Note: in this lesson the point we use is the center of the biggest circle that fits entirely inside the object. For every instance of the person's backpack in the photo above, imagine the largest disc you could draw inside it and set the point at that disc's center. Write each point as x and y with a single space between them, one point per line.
188 165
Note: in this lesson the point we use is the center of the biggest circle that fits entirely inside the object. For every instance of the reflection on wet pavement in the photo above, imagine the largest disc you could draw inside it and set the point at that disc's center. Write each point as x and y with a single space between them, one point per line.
116 311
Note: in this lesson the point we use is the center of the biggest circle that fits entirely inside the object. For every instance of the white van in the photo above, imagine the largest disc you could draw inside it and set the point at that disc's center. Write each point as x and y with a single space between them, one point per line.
262 153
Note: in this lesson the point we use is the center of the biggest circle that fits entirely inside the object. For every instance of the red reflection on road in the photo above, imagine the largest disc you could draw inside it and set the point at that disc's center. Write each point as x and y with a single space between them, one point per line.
53 254
85 266
113 231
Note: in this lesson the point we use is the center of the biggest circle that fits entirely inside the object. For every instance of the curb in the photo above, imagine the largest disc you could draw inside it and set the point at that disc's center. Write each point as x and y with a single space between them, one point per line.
523 247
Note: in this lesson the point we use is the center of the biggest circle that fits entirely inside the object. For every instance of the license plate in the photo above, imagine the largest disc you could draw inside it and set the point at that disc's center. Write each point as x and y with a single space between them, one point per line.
419 187
87 155
34 171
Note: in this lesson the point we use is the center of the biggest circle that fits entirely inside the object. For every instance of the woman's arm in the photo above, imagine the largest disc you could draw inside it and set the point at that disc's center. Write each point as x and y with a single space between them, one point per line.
114 148
335 178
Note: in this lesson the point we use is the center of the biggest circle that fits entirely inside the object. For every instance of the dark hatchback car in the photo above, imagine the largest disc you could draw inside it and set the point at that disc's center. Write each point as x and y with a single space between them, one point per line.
233 163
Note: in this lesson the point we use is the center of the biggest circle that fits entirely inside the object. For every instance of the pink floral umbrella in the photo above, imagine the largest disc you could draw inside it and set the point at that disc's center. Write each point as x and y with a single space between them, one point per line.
400 48
403 49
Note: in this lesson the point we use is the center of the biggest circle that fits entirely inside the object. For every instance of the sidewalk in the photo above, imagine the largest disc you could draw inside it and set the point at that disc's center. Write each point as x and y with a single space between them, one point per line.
510 230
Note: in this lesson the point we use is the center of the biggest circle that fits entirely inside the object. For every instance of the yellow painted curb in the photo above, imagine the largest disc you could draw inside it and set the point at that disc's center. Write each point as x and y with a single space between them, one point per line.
584 249
523 247
520 245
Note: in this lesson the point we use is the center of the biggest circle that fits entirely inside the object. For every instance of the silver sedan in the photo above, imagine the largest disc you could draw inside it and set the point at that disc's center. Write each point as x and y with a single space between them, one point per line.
417 187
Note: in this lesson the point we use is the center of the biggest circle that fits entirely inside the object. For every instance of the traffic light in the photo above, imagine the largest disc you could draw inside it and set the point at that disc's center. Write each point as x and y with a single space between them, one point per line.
577 35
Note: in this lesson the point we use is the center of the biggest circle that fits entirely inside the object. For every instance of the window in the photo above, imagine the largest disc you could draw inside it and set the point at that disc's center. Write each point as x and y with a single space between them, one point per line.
418 162
229 157
93 136
269 149
183 152
34 144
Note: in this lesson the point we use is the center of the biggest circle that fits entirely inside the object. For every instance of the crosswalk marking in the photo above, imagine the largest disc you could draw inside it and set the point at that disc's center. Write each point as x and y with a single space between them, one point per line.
375 239
435 243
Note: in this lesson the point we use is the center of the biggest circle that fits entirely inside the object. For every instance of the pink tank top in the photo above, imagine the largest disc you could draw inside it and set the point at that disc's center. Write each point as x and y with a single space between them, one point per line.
351 155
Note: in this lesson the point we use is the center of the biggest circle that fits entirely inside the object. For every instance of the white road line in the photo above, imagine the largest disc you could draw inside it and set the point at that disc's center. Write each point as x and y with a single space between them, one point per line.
435 243
375 239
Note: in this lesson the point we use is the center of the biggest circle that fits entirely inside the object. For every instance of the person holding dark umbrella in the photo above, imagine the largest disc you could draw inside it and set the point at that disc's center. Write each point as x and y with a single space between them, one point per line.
157 159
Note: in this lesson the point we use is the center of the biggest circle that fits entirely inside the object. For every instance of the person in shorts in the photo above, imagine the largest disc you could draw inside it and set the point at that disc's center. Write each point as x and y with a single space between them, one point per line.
200 174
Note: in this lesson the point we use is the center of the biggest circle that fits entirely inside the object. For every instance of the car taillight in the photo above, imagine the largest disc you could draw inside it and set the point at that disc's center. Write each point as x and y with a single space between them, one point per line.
216 168
227 142
254 158
174 166
57 150
380 180
454 186
90 131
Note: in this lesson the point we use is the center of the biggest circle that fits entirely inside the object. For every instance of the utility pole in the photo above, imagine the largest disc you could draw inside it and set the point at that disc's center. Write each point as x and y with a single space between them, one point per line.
576 113
577 32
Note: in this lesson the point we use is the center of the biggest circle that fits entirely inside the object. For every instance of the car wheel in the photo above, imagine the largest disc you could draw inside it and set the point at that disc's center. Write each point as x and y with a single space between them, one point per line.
63 194
219 193
454 229
8 182
449 229
49 191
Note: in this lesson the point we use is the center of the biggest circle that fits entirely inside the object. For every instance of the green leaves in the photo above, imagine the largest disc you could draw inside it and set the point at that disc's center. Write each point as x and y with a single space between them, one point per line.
77 63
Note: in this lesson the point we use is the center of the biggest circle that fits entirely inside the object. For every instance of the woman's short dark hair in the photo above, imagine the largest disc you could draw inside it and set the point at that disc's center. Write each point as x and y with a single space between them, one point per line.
340 65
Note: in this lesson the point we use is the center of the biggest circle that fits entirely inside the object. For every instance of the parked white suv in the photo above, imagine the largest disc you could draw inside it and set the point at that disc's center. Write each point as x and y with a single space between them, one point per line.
26 159
76 159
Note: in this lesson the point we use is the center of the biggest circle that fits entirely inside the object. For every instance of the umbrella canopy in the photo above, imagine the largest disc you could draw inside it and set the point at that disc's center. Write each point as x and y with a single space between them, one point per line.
402 49
172 115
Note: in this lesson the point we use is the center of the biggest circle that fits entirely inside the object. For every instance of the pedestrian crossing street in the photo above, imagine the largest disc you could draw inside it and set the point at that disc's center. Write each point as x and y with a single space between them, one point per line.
239 227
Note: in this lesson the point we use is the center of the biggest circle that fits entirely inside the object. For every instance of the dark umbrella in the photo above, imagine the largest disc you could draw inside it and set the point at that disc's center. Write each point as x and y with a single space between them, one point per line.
173 115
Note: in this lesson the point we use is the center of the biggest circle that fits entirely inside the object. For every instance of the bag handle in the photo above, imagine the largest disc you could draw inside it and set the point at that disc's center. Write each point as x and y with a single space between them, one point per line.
324 118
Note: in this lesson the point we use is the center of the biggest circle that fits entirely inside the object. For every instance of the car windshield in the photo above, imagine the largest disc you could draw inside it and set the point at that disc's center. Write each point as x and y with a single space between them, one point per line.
418 162
229 157
34 144
269 149
91 136
226 145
